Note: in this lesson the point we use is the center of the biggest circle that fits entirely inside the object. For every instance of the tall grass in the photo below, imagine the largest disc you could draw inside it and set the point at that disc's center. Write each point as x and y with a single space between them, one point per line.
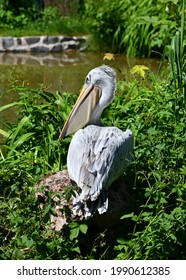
177 57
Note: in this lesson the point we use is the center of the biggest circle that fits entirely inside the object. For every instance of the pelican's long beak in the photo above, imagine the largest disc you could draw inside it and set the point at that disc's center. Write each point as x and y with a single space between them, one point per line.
82 110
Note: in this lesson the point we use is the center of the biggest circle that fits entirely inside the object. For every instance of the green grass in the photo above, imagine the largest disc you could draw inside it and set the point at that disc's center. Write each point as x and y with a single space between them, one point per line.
64 26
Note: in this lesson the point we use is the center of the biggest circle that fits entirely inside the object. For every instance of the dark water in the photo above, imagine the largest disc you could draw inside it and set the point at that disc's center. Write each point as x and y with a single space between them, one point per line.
59 71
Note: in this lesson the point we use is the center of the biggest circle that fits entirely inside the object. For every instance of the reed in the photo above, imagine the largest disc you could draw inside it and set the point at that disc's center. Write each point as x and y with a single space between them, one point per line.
176 56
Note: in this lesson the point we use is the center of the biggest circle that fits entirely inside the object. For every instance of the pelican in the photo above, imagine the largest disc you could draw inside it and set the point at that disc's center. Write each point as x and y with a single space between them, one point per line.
97 154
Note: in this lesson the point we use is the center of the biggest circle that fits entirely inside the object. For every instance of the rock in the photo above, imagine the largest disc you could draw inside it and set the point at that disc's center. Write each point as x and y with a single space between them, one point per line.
65 39
32 40
55 184
7 42
19 41
50 40
120 202
56 48
70 45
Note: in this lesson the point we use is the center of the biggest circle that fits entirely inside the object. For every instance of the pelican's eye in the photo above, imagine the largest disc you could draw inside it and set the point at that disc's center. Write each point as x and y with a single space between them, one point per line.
87 80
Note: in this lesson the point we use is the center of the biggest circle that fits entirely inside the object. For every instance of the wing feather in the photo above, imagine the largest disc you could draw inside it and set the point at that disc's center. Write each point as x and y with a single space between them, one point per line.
97 156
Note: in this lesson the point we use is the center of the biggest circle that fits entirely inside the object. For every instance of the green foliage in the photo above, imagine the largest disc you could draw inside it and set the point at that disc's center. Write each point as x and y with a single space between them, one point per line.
32 22
36 135
76 228
177 59
32 149
156 180
25 231
157 116
159 170
138 29
156 227
52 22
133 27
18 6
9 20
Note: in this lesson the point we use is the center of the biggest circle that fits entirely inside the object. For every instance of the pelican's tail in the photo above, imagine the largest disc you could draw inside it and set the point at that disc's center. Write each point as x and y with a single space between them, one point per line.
87 208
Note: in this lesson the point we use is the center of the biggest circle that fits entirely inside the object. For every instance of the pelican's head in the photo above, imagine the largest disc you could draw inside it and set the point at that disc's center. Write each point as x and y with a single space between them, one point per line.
98 91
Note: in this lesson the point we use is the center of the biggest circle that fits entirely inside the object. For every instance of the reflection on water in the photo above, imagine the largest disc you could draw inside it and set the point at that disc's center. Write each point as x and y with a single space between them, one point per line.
57 71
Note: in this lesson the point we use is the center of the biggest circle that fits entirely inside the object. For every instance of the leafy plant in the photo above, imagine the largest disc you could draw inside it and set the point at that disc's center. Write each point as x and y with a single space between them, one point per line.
76 228
177 59
159 168
136 28
32 149
156 226
38 130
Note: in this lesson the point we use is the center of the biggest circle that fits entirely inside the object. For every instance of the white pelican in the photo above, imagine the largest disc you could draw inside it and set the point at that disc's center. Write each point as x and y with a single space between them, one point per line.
97 154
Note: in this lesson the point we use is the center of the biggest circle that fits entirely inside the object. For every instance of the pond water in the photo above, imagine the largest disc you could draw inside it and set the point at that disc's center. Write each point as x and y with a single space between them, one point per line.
58 71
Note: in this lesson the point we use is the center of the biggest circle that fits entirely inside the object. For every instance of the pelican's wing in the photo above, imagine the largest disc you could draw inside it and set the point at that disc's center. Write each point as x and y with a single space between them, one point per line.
97 156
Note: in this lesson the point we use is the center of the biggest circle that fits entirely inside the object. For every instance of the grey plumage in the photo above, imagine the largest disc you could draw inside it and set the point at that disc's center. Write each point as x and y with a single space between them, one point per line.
97 154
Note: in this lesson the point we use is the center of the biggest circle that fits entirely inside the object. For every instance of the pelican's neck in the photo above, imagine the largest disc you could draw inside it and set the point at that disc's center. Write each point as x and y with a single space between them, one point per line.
95 118
104 101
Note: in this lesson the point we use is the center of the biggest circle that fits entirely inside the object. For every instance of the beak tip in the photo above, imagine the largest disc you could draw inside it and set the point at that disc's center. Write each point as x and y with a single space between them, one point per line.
62 135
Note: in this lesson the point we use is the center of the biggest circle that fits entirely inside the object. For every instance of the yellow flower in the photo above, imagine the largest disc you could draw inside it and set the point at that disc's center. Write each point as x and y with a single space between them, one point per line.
139 69
108 56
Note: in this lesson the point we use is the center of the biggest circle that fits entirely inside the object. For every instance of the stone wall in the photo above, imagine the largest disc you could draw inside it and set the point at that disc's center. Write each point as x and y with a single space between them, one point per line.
42 44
